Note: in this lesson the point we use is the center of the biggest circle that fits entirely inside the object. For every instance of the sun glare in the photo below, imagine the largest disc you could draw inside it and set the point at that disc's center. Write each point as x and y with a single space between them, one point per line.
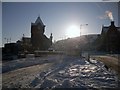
73 31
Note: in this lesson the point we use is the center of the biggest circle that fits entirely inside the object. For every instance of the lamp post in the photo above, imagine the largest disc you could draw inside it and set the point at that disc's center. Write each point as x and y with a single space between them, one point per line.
7 40
80 35
81 27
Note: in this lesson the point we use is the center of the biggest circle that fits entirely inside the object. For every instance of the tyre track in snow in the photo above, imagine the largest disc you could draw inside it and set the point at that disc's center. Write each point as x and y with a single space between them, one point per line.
55 68
67 81
67 61
49 75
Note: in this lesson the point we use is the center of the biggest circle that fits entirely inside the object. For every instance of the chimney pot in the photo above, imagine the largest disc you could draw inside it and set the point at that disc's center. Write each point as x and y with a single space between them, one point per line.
112 23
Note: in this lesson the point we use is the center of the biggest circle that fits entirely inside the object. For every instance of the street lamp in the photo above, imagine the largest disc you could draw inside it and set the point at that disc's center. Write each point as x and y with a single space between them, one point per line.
81 27
80 35
7 40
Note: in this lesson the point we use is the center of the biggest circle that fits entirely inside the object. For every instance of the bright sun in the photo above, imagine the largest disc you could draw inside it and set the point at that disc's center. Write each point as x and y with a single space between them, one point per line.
73 31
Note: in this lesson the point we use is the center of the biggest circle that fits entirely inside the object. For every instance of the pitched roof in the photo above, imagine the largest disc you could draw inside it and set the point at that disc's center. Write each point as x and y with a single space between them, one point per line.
38 20
118 28
105 29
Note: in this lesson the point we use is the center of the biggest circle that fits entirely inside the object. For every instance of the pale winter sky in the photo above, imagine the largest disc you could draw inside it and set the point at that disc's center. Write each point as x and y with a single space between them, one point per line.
57 16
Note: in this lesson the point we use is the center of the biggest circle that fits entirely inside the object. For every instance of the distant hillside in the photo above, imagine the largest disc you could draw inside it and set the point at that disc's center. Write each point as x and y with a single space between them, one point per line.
84 42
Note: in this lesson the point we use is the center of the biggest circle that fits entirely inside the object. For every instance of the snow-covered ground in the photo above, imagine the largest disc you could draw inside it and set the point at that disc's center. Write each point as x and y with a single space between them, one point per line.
58 72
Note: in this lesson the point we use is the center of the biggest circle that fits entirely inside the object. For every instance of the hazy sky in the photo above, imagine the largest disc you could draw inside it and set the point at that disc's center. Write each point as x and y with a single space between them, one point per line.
60 0
0 24
17 17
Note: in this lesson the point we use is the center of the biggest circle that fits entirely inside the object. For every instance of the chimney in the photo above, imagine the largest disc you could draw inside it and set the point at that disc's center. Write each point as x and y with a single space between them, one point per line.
112 23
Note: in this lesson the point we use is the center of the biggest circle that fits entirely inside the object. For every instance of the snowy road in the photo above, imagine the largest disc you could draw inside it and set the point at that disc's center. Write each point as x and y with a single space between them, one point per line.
58 72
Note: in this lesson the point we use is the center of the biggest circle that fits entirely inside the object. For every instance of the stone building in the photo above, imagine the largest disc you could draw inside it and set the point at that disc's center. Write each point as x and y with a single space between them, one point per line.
109 39
37 41
38 38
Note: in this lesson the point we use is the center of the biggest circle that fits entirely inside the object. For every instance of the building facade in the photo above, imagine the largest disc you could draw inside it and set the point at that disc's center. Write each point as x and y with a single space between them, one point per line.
110 38
38 39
